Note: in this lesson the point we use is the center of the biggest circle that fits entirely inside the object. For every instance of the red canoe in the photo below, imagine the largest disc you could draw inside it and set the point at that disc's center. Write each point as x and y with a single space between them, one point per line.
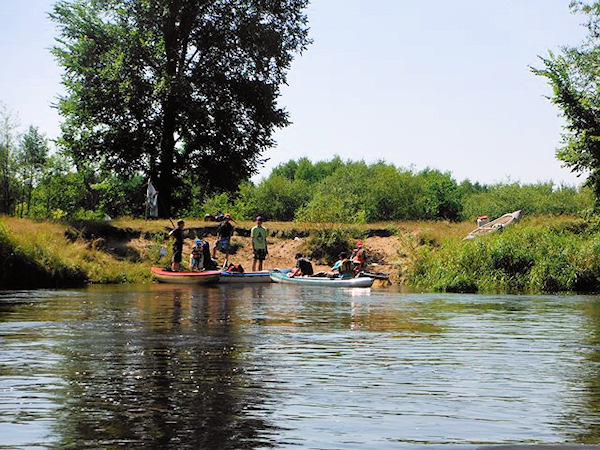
167 276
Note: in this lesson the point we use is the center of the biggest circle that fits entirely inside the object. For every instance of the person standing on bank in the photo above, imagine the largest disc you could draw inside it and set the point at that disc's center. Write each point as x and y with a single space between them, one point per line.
258 235
224 233
177 235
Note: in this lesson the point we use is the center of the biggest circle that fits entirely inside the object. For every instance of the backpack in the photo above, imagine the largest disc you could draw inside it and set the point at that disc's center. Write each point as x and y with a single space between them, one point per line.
235 268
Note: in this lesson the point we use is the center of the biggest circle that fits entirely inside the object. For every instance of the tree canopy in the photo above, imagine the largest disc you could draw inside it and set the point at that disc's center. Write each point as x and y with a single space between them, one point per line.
183 91
574 75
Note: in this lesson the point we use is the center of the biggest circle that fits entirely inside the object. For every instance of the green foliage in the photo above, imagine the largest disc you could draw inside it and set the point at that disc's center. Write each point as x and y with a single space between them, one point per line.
184 92
277 198
8 180
59 189
339 197
327 243
356 192
521 259
120 196
574 76
216 204
391 194
442 198
541 198
31 159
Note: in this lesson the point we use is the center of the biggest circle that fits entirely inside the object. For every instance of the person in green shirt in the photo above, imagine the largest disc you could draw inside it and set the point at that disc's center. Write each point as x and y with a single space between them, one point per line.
259 244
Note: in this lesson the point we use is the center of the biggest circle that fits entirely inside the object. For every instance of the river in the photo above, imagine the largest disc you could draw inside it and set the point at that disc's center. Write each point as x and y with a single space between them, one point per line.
279 366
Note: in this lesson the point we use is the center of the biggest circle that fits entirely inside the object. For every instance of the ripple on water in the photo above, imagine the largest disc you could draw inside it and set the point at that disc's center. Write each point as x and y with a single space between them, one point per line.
256 366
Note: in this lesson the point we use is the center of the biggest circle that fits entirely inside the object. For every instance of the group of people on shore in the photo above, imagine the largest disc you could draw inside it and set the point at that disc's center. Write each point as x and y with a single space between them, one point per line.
202 259
348 266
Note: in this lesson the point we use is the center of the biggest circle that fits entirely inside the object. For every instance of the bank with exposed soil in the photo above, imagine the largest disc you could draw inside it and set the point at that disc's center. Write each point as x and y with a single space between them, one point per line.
539 254
47 254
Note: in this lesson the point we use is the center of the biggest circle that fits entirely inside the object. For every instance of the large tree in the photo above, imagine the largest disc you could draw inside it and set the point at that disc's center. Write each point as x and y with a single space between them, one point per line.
184 91
574 75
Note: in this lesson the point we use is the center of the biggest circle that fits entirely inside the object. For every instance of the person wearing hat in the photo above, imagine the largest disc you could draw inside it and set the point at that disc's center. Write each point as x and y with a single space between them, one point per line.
224 233
258 234
197 256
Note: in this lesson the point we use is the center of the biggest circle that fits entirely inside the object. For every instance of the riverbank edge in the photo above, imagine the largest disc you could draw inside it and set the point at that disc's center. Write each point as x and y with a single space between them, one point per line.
39 254
418 255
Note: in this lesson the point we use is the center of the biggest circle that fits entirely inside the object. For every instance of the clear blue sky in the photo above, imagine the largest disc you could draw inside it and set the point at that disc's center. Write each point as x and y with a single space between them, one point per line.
443 84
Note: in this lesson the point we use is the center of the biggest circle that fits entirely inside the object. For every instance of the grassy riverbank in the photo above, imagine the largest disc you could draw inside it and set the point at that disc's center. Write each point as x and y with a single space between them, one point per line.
44 254
539 254
544 254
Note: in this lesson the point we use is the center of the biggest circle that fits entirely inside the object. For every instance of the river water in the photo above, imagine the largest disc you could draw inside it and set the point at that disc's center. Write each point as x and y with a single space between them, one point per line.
278 366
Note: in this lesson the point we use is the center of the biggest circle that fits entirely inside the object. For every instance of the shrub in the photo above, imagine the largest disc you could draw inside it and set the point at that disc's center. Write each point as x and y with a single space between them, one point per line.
327 244
521 259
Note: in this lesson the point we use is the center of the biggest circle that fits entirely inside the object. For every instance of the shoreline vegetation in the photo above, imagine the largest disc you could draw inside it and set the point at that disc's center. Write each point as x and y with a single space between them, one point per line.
539 254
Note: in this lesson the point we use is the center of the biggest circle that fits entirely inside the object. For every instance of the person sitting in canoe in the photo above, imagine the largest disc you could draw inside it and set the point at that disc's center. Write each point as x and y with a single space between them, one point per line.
344 267
359 256
197 256
303 267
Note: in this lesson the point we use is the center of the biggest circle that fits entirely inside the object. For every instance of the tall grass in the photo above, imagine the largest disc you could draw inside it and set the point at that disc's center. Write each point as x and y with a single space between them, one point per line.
527 257
41 255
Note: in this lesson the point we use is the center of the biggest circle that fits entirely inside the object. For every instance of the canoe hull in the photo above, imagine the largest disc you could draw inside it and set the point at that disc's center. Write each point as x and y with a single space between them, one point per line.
279 277
246 277
249 277
166 276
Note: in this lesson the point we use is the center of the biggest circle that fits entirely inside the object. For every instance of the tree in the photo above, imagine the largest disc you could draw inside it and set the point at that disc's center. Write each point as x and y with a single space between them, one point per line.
60 192
32 156
175 89
442 195
574 76
7 163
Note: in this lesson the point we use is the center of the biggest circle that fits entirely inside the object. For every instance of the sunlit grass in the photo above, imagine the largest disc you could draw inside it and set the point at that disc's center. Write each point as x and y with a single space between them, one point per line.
538 254
45 242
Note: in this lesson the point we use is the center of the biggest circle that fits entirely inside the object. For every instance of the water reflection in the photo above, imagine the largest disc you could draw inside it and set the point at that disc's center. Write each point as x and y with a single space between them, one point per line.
583 383
167 374
277 366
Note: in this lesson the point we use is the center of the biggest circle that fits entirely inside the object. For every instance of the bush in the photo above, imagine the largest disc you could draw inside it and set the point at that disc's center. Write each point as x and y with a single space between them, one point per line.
541 198
327 244
521 259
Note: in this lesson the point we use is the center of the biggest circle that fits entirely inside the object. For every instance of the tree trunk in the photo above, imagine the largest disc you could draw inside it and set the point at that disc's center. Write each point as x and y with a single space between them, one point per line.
167 142
167 149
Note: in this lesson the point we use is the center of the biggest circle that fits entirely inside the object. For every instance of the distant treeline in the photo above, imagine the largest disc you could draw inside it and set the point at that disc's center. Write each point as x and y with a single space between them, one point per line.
357 192
302 190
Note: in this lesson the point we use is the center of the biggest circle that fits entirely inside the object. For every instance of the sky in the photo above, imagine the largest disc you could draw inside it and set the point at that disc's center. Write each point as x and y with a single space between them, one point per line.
440 84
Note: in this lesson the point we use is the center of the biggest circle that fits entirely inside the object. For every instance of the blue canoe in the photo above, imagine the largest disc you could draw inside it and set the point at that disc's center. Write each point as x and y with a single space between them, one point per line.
248 277
245 277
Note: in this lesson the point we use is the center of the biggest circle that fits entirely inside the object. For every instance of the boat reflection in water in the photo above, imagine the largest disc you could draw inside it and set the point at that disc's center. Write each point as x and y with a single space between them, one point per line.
276 365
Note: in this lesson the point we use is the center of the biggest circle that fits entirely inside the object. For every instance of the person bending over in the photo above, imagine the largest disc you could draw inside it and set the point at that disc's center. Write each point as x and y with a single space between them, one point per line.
303 267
